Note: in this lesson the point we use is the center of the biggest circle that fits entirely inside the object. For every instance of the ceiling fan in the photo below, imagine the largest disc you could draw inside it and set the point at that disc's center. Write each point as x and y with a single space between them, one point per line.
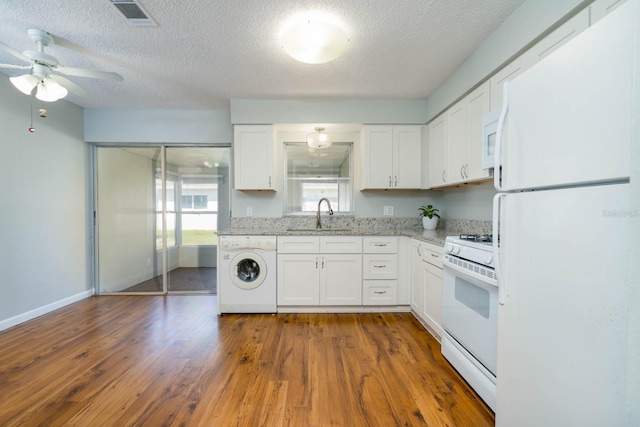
50 86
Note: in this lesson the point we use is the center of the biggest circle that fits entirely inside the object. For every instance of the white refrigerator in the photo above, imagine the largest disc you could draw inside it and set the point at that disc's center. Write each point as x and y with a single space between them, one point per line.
561 219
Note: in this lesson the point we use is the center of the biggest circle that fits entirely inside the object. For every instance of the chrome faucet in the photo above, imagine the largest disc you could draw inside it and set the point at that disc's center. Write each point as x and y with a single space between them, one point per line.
318 224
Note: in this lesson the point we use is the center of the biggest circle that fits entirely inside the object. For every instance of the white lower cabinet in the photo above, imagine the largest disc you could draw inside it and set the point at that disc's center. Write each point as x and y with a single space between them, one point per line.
340 271
341 279
380 270
416 299
321 278
426 285
298 279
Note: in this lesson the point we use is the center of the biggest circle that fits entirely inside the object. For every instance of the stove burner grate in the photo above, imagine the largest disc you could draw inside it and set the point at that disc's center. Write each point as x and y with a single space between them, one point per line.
488 238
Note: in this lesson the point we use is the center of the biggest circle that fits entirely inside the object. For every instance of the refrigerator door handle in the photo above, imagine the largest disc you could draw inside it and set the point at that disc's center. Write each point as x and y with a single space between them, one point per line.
497 157
502 289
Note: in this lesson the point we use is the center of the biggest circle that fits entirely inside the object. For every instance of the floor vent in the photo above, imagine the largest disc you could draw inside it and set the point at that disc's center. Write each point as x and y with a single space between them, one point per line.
134 13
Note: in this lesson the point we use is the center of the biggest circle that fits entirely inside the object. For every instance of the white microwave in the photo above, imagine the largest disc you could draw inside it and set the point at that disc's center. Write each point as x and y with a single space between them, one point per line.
489 134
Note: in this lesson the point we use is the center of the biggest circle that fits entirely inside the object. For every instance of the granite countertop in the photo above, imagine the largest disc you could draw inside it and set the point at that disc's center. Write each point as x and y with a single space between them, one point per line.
432 236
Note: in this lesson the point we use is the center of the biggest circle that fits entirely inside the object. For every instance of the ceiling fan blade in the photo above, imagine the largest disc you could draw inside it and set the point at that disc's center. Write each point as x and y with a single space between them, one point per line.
68 84
19 67
81 72
15 53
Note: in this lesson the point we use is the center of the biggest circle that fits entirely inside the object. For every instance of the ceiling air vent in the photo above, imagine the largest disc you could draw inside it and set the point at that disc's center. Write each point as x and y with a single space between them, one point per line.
134 13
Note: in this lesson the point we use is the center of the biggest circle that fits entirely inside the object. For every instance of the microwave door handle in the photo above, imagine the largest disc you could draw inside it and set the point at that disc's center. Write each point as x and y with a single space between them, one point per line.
497 157
502 289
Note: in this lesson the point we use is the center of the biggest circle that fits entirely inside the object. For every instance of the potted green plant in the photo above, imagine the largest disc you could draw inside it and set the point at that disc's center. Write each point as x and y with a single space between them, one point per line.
429 217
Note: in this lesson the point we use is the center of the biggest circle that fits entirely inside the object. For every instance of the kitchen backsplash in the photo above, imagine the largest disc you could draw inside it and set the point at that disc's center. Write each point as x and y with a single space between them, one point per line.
303 222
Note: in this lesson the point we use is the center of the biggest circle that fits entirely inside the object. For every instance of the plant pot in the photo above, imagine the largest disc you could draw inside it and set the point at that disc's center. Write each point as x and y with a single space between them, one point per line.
429 223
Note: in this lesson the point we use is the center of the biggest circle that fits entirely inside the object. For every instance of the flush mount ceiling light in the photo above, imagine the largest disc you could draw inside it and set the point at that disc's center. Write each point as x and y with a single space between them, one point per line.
313 39
319 139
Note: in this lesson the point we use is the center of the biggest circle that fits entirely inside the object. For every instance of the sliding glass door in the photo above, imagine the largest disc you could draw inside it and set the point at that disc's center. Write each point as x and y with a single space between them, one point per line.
158 210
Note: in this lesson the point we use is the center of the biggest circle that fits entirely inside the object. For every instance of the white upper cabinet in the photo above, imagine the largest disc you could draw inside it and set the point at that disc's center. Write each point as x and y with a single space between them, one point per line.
437 150
391 157
544 47
455 141
600 8
458 141
560 36
509 72
479 102
253 157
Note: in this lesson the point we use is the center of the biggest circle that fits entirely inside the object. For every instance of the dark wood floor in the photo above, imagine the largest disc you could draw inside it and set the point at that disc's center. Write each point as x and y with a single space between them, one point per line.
170 361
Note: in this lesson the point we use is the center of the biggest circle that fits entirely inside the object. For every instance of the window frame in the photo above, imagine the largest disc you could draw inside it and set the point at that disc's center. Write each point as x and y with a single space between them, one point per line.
348 180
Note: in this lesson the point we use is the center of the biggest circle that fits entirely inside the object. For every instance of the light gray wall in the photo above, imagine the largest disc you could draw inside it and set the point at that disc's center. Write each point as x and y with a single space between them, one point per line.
157 126
267 111
523 26
44 183
126 218
469 202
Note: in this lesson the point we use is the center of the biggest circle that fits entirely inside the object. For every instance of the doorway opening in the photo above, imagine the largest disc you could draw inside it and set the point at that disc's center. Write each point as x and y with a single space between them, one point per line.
157 211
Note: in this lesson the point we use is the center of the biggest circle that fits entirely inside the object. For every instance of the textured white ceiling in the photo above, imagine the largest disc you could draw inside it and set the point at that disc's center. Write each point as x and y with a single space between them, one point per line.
203 53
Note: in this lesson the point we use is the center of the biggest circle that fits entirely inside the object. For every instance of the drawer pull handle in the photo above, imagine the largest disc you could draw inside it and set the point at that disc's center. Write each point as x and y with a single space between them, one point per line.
380 266
380 292
435 256
380 244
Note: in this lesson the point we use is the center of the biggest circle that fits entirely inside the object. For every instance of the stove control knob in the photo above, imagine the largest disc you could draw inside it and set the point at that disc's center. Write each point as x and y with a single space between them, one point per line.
448 247
456 249
488 259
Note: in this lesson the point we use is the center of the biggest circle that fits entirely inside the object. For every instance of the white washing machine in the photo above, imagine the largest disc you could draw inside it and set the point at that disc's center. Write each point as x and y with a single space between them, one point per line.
247 274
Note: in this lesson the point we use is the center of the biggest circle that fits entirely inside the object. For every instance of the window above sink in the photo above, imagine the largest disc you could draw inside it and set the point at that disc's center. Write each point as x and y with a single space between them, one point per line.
311 174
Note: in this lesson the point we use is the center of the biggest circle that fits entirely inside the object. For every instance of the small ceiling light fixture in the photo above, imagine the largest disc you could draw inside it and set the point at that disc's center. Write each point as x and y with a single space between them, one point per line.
313 39
319 139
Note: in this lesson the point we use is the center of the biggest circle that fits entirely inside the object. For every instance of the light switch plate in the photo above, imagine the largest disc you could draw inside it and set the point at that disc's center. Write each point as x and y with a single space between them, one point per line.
249 211
388 211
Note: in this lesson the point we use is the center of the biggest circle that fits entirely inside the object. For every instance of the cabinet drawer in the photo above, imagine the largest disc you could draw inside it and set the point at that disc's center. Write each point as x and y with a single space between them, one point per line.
379 292
432 254
379 245
340 245
298 245
379 266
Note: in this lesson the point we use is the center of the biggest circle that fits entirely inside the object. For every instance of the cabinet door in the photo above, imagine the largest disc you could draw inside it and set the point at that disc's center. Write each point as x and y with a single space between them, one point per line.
509 72
407 157
561 35
341 279
479 105
600 8
298 279
437 150
432 305
377 148
458 141
253 157
417 286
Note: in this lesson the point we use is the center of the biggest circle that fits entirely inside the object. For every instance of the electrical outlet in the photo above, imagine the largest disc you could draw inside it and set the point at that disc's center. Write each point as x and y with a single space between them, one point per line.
249 211
388 211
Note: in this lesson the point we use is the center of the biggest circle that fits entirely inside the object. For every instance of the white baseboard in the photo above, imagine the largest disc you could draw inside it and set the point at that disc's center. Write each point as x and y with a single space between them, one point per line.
37 312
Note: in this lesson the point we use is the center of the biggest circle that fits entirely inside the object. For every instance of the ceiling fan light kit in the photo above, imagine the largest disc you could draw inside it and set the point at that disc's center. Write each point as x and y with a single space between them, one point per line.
319 139
314 40
50 87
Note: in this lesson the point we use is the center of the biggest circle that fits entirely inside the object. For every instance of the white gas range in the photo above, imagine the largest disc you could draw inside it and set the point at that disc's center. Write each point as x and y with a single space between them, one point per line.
470 312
